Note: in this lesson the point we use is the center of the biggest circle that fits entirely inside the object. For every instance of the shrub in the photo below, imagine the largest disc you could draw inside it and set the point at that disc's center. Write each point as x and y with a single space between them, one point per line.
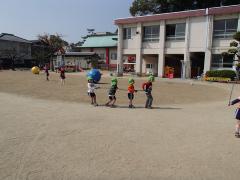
233 44
237 36
221 73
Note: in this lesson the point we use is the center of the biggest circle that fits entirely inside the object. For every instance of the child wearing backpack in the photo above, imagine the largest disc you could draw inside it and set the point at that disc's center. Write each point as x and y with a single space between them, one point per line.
147 87
237 116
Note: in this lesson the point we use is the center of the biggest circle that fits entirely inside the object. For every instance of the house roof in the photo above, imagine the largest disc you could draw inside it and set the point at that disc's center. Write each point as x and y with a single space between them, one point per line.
181 14
11 37
78 54
100 41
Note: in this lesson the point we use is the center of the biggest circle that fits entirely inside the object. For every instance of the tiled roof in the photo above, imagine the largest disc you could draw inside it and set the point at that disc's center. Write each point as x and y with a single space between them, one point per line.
181 14
11 37
100 41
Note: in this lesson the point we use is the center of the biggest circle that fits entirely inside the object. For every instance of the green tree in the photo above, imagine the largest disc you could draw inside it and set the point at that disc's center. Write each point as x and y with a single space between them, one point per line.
144 7
234 51
54 43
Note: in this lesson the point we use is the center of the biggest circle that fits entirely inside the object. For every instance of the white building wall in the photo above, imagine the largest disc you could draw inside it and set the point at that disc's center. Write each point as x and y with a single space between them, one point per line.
131 43
197 36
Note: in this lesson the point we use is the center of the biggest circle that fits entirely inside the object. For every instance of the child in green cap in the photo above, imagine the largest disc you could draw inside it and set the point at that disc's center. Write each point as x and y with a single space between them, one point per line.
131 92
91 91
147 87
112 92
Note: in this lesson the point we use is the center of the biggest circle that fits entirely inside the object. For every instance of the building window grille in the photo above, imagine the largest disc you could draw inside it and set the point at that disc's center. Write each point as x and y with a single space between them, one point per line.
113 56
127 33
175 31
219 61
225 28
151 33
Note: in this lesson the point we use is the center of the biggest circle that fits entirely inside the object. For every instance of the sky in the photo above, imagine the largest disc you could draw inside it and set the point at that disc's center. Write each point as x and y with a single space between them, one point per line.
70 18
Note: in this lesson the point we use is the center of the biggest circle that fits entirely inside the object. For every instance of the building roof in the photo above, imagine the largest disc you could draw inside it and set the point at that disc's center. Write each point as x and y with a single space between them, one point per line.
181 14
78 54
11 37
100 41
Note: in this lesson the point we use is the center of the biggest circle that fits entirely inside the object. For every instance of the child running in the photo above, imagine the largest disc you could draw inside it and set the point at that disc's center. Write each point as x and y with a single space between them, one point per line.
237 116
131 92
112 92
62 75
91 88
147 87
46 71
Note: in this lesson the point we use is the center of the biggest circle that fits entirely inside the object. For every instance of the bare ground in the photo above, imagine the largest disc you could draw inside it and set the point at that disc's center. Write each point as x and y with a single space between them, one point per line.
64 139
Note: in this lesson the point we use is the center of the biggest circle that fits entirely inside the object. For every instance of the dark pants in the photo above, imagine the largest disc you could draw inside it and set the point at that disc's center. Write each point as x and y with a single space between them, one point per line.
149 100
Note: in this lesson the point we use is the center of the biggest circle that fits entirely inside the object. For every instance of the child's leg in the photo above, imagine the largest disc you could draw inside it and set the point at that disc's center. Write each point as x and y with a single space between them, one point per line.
92 100
147 102
113 101
109 101
237 130
130 97
95 100
150 100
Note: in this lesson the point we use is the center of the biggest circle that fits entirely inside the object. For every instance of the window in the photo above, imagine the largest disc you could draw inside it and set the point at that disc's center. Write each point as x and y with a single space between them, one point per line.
219 61
102 56
225 28
150 33
127 33
113 56
149 66
175 31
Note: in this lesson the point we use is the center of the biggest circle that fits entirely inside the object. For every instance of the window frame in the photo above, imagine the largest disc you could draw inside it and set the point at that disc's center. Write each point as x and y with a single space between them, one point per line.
151 36
226 32
127 33
176 35
150 66
113 54
222 62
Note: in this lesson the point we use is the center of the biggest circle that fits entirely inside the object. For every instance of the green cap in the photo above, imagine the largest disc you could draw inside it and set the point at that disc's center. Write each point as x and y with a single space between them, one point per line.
114 79
131 81
89 78
151 78
113 83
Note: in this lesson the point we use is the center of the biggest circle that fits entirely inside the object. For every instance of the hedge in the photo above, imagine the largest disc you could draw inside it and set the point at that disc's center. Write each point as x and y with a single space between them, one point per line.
221 73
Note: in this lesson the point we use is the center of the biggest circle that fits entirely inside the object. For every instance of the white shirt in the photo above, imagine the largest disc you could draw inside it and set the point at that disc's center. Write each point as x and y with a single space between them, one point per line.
91 87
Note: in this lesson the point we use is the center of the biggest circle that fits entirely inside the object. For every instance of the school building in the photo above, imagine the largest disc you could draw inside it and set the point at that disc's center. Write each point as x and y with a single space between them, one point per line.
191 42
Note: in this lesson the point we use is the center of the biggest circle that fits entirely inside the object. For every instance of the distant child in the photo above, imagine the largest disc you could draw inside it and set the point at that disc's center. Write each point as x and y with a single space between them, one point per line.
62 75
46 71
91 88
237 116
131 92
112 92
147 87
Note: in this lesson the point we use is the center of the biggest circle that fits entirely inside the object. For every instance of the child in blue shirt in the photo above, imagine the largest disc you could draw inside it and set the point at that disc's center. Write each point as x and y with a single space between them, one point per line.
237 116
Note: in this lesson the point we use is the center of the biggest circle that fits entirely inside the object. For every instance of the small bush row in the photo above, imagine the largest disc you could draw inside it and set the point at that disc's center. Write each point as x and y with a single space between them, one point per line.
221 73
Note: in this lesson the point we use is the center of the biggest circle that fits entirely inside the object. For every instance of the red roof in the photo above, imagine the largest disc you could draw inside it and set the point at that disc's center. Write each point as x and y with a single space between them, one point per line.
181 14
